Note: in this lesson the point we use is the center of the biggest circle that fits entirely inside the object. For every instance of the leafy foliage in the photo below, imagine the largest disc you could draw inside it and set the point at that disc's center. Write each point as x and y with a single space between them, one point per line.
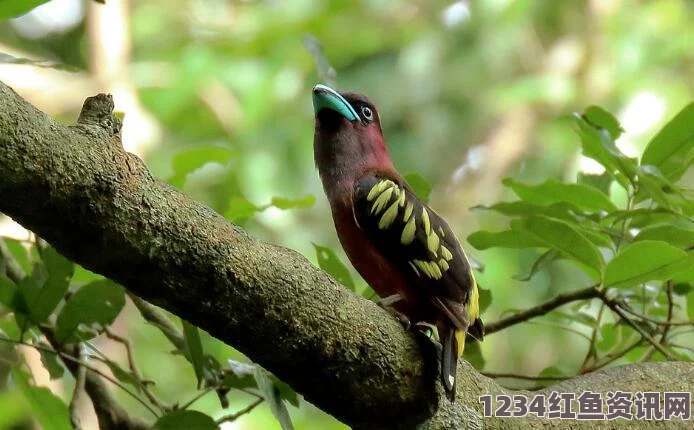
10 8
634 253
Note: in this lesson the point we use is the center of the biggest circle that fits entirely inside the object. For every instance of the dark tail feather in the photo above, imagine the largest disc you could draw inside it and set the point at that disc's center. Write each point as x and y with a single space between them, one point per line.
449 359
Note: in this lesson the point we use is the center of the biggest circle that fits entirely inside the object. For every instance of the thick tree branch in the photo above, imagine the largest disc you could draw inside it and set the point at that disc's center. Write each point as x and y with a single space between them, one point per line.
77 188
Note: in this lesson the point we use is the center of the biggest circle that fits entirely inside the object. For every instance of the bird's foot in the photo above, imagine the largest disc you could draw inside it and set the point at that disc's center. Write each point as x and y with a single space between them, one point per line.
387 303
425 328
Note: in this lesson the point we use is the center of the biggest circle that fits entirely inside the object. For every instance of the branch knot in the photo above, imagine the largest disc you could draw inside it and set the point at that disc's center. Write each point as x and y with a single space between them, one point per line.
98 111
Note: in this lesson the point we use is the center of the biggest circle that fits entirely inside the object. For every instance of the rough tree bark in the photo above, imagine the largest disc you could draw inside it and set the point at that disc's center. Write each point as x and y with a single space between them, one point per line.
77 188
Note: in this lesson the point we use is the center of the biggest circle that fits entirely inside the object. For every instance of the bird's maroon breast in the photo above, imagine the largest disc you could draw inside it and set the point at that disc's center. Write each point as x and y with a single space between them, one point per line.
377 271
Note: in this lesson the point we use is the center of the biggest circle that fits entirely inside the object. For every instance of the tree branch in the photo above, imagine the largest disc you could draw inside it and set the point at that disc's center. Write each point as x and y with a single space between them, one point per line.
98 205
542 309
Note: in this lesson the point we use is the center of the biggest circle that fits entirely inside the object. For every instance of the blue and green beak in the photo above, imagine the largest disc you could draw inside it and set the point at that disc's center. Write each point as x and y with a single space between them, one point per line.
325 97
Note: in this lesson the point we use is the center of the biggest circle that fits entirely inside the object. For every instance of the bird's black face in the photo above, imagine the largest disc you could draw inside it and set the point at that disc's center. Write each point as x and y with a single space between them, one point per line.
340 112
347 137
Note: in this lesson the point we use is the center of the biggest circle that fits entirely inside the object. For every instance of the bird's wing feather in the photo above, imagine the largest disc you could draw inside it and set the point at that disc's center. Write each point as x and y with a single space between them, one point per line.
420 243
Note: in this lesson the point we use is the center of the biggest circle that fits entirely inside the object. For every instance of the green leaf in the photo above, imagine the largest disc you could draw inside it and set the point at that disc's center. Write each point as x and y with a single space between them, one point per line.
600 118
504 239
92 307
564 238
654 185
10 295
673 234
600 182
672 149
30 288
13 410
184 420
9 329
552 191
681 289
543 261
18 251
46 299
50 362
304 202
473 354
554 372
48 409
286 391
523 208
644 261
194 351
241 375
421 187
485 299
123 375
188 161
272 396
240 209
577 317
328 261
643 217
14 8
599 145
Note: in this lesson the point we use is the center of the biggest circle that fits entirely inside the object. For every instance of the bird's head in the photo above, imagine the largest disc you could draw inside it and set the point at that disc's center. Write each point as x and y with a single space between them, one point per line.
348 140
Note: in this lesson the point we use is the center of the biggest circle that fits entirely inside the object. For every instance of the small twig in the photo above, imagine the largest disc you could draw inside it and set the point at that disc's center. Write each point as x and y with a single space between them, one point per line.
542 309
666 323
561 327
677 345
236 415
525 377
680 333
668 320
109 413
592 353
12 268
611 358
613 305
78 391
197 397
136 372
86 366
158 318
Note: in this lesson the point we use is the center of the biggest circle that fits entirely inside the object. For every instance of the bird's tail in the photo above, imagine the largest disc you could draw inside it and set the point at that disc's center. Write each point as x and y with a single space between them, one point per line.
453 342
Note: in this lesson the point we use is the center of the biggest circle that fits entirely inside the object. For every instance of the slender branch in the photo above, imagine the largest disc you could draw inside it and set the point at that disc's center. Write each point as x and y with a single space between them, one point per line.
611 358
144 386
78 391
160 320
668 320
561 327
666 323
612 304
236 415
542 309
687 348
591 354
73 360
198 396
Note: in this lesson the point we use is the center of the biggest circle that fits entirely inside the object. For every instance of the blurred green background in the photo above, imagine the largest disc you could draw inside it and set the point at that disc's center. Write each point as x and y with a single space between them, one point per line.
216 99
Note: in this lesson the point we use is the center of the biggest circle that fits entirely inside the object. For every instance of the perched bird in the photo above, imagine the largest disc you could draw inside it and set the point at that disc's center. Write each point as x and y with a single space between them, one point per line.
400 246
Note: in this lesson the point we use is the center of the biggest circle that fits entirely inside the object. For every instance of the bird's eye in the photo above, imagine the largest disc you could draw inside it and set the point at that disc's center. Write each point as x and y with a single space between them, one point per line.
367 113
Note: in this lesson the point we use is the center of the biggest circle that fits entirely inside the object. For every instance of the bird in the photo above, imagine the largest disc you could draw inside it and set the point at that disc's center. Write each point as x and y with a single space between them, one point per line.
401 247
